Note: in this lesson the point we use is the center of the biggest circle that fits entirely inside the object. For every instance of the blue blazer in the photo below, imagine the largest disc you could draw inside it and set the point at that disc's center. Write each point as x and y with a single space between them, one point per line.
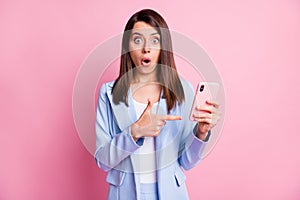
176 147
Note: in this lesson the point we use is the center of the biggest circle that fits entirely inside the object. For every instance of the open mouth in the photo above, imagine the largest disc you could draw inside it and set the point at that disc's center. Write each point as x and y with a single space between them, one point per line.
146 61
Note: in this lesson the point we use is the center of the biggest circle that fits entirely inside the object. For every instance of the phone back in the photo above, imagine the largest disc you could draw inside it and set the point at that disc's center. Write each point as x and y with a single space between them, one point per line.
205 91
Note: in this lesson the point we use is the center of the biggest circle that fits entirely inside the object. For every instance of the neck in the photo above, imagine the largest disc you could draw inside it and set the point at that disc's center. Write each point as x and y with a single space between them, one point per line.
145 78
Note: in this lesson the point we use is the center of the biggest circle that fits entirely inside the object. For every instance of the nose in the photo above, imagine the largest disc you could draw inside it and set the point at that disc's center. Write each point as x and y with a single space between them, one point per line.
146 48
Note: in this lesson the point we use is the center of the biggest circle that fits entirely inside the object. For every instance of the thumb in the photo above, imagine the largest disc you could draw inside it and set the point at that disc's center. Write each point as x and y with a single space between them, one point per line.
147 109
149 106
145 118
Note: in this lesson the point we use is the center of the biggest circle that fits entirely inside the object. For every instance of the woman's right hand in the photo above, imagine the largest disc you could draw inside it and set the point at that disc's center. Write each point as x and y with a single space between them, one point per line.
149 125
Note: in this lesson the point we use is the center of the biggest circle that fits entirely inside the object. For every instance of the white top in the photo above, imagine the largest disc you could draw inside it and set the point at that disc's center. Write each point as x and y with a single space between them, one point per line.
146 153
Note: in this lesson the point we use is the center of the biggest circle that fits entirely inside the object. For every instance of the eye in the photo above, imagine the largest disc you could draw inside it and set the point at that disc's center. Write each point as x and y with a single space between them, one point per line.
137 40
155 40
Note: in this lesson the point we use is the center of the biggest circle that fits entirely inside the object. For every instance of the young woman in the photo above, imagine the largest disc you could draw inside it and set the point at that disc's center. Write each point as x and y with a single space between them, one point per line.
143 133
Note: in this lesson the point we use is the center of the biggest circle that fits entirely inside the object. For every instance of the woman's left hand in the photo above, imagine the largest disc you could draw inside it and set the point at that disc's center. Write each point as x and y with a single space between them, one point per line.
207 117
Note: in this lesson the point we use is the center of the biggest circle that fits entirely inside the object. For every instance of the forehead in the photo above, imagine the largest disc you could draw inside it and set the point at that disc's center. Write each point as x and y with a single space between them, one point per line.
143 28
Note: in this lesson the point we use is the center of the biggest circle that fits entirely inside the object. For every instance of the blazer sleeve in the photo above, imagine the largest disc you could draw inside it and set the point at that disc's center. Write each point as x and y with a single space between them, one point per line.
191 153
112 144
191 147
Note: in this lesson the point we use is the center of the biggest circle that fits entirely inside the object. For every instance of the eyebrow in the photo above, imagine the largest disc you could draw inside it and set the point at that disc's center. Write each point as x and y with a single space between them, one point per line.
137 33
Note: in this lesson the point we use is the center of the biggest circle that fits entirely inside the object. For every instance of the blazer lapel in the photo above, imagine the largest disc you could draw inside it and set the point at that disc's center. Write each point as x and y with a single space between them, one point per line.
166 143
124 115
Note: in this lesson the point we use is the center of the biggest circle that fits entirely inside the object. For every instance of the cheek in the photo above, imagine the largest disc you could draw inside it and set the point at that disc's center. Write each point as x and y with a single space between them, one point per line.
157 55
134 56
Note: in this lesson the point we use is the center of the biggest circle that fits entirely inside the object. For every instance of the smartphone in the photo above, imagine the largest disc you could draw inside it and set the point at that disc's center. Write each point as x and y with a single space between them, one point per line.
205 91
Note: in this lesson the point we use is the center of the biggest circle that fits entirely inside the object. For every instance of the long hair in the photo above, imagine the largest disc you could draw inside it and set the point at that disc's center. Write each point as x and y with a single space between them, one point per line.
167 76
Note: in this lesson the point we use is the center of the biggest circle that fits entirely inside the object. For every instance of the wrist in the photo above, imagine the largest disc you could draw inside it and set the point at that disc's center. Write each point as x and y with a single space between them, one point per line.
134 132
201 135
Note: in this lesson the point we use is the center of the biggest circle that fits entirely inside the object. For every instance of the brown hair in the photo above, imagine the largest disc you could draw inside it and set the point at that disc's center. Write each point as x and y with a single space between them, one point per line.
167 76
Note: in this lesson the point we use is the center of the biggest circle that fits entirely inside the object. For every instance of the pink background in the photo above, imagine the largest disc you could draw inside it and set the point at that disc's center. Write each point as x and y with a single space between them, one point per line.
254 44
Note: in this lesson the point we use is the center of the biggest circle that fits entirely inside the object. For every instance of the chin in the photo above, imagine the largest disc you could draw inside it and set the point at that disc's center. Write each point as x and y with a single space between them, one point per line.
147 70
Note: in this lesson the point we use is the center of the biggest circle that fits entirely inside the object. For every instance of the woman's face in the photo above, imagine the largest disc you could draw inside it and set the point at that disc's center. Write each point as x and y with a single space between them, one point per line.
144 47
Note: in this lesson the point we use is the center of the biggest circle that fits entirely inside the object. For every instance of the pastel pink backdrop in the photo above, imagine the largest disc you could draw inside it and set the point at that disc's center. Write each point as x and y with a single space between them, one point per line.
254 44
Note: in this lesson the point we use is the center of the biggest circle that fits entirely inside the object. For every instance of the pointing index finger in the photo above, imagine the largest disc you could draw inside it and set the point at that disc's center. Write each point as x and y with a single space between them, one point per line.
172 117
